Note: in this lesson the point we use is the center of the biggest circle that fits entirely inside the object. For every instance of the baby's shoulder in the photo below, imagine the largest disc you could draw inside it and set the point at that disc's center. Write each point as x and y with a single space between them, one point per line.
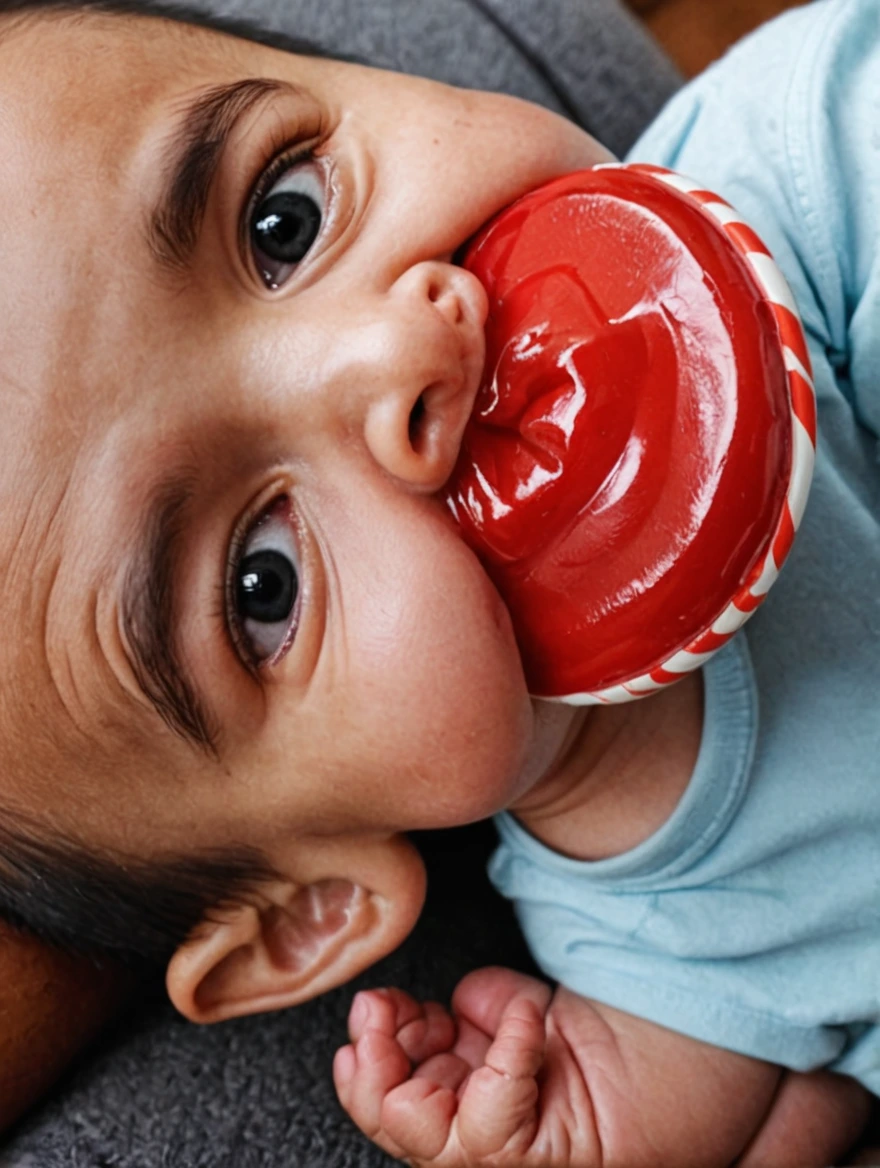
785 124
785 128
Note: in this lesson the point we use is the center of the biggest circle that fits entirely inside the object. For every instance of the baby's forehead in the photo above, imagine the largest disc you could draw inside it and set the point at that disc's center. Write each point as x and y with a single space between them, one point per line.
77 166
80 91
76 90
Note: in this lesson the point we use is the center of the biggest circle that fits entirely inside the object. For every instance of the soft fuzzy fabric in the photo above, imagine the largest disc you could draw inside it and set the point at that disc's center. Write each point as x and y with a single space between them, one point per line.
590 59
159 1092
256 1092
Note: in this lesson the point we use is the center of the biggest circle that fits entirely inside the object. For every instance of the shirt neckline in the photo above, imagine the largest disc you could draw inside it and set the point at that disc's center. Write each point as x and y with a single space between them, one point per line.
715 790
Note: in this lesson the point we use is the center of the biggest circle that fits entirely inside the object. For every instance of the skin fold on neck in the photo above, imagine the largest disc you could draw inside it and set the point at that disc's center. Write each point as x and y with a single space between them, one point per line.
619 776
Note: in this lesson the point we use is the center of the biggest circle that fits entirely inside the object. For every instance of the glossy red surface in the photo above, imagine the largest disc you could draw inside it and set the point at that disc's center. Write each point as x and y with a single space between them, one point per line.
630 448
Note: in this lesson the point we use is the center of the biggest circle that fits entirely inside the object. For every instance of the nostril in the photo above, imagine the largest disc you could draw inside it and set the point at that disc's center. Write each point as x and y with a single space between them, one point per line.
417 424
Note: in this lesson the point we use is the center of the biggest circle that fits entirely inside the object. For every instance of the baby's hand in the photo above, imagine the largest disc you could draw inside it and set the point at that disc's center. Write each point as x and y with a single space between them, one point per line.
495 1085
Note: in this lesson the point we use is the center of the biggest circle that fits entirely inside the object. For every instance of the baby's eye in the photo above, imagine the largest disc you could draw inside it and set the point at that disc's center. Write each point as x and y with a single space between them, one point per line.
286 217
264 587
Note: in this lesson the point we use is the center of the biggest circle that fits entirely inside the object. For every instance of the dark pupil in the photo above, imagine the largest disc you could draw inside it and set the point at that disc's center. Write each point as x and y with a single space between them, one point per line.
267 588
287 226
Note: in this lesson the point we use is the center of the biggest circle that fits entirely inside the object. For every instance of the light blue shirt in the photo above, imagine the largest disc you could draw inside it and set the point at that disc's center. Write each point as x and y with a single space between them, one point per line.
751 919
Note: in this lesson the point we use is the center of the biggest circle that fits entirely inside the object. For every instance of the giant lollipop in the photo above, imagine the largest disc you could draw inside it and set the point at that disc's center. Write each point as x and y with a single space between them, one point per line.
641 447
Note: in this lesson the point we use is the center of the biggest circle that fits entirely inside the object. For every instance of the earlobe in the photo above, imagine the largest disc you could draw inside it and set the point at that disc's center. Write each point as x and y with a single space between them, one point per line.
303 940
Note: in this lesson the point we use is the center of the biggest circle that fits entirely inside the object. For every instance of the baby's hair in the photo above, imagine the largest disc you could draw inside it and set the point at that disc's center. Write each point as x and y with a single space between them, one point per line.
138 911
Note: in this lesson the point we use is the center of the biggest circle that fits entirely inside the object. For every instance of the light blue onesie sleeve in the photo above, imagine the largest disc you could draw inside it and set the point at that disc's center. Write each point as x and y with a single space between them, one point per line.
751 919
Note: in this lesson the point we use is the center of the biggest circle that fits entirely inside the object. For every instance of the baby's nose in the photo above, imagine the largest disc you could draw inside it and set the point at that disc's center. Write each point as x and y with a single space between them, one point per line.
424 392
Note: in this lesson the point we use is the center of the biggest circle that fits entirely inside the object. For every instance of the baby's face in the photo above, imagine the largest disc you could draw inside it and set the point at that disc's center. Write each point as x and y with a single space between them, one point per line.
237 360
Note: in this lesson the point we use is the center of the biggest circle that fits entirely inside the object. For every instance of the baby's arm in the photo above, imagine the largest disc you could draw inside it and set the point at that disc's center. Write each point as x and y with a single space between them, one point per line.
526 1077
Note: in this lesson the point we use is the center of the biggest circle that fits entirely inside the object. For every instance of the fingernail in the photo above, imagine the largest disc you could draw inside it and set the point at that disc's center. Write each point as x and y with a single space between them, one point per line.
372 1048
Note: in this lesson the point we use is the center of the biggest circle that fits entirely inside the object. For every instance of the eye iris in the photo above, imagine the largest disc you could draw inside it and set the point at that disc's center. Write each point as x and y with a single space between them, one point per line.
287 226
267 588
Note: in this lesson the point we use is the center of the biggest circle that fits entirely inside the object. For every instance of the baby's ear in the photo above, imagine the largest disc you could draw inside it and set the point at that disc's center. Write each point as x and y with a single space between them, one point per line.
303 939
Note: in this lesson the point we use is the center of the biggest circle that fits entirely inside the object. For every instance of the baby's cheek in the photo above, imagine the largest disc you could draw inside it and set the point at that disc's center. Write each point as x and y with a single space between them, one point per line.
454 702
419 665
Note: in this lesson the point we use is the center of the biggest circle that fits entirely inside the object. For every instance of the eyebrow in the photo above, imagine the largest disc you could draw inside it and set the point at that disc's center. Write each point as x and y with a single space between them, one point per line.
190 163
148 614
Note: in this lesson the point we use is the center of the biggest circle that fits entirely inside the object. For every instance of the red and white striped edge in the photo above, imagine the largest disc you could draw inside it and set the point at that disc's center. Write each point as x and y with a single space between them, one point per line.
802 401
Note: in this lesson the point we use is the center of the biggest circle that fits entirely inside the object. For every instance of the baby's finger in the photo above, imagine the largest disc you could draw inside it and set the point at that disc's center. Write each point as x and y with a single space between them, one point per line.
499 1101
418 1118
484 995
386 1010
432 1033
471 1045
479 1002
444 1070
518 1049
344 1069
380 1066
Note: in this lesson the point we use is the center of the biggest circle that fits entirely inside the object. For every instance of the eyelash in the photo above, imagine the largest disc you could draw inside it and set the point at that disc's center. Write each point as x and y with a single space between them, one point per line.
270 175
291 154
226 590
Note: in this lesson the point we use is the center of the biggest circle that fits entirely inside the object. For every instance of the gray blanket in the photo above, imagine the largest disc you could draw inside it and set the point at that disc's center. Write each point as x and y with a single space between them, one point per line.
158 1092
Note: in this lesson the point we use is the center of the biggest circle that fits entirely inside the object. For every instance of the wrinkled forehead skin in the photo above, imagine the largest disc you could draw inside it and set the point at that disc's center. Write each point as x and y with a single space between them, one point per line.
72 284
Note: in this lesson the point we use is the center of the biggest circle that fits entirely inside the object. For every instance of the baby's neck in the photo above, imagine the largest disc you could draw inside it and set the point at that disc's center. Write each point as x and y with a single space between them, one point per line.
622 776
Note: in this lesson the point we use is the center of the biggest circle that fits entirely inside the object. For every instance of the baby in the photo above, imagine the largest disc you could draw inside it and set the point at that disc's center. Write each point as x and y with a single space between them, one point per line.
238 357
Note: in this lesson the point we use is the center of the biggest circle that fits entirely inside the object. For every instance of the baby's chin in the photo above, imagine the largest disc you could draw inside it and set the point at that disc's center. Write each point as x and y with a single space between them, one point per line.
552 723
468 692
553 726
538 736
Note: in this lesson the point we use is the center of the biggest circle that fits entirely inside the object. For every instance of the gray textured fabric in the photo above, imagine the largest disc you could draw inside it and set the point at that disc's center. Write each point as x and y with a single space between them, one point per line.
158 1092
590 59
256 1093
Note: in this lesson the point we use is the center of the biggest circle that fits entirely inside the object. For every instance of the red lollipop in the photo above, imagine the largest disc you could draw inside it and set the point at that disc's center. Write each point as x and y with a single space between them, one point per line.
641 447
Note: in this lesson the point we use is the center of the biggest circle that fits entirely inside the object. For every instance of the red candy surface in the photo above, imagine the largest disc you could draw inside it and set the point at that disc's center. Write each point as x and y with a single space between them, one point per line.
630 447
